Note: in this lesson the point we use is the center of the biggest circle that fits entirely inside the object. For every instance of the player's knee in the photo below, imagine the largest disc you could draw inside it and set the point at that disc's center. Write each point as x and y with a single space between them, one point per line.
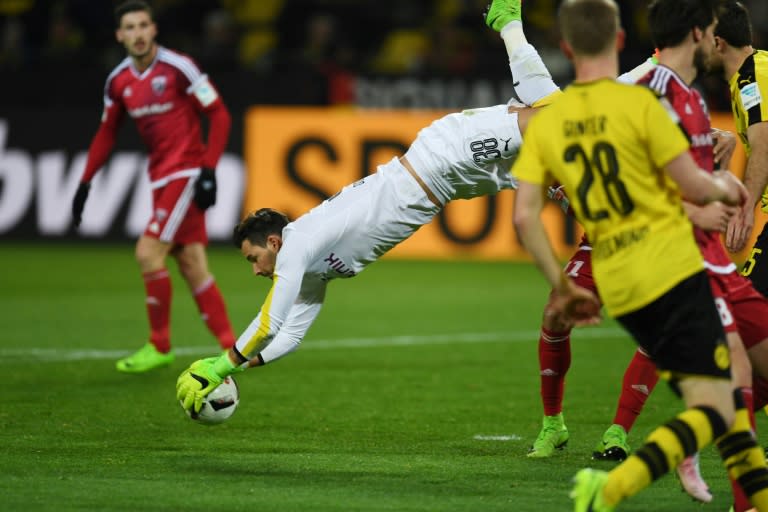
193 265
150 256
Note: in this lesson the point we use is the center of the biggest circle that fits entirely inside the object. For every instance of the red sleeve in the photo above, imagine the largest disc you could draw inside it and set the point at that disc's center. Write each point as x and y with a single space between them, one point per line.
103 141
219 123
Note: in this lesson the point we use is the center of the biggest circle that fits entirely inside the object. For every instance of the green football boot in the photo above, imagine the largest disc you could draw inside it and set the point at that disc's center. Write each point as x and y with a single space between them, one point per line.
587 493
553 436
500 12
613 446
144 359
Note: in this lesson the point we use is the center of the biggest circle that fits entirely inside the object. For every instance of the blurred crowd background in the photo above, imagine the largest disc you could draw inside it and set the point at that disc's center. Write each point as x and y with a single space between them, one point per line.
295 51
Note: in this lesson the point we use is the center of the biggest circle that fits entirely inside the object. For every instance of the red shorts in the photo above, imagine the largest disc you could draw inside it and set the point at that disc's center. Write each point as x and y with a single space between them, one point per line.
579 268
175 216
741 307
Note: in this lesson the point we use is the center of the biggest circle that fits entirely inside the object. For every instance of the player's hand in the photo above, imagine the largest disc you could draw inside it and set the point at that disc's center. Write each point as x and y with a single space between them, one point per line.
202 377
740 227
205 189
724 147
78 203
572 304
714 216
196 382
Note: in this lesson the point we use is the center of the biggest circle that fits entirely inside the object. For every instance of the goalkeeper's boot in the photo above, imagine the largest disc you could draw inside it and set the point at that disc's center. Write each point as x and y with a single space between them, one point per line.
553 436
587 492
613 446
690 478
144 359
500 12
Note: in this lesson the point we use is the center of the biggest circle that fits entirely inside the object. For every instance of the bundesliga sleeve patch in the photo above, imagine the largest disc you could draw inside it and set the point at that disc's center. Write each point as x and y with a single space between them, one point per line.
750 96
204 92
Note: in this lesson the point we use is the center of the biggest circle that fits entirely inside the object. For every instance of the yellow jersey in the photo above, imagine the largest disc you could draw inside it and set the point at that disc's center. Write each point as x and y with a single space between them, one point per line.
607 143
748 86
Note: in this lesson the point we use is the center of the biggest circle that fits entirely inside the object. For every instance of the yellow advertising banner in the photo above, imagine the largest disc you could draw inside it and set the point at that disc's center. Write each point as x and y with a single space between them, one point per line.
297 157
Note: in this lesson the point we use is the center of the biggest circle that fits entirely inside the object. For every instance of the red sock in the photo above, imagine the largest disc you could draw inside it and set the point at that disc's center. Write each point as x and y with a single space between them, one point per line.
554 362
158 289
740 501
640 378
214 313
760 390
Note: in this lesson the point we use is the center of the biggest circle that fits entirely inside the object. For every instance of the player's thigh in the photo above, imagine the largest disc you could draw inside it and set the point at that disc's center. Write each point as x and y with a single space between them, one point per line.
682 332
741 368
758 358
756 266
175 217
715 393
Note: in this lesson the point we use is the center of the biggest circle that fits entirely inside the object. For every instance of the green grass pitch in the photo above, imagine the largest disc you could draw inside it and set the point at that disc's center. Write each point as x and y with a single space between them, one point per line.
416 390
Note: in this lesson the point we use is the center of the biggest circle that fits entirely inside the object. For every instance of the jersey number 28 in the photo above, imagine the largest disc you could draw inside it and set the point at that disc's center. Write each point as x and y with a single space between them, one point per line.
604 165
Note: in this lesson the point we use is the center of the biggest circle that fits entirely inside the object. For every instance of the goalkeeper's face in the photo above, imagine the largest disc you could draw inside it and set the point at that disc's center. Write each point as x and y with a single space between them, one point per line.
262 258
137 33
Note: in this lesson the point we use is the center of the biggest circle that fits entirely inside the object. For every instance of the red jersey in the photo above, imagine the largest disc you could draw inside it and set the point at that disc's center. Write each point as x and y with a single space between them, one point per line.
693 118
165 101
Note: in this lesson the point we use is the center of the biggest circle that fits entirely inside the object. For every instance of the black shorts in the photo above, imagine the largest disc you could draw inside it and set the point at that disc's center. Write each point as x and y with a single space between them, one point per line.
756 266
682 331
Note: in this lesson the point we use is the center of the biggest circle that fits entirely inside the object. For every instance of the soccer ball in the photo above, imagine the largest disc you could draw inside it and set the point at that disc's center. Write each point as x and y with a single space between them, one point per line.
219 405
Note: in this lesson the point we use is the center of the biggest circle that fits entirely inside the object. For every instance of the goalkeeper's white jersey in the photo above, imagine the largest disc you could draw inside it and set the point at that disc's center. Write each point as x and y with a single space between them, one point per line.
468 154
462 155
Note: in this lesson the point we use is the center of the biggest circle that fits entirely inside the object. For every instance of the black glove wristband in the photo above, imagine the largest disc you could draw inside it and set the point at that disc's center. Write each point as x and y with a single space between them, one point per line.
205 189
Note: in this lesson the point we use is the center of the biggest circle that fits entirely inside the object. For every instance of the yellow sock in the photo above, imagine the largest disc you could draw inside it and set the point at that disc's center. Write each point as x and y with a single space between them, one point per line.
745 460
664 449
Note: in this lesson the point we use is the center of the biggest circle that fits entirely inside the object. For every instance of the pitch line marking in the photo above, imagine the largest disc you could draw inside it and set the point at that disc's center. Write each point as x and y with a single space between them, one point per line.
8 355
513 437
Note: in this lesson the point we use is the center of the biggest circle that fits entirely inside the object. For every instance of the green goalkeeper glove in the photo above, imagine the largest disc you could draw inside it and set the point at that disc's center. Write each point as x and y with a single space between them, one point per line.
202 377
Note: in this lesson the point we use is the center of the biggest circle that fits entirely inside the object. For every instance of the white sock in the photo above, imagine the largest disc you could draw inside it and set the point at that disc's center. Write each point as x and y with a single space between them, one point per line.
531 76
513 36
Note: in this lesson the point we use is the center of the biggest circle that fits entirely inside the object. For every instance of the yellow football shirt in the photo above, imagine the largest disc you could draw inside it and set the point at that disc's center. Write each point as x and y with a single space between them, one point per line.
748 87
607 144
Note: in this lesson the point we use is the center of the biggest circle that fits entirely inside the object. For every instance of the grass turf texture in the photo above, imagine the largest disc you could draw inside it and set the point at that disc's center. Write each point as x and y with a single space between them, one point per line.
380 410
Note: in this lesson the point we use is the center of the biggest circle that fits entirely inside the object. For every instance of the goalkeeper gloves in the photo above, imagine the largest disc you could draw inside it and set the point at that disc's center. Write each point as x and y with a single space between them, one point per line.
78 203
202 377
205 189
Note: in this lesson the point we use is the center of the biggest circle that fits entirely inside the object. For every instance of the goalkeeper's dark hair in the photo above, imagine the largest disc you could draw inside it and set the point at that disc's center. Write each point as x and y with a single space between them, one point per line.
132 6
672 20
258 225
734 25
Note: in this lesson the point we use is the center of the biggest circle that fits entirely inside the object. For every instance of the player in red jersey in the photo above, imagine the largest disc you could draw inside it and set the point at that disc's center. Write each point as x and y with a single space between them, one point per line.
165 93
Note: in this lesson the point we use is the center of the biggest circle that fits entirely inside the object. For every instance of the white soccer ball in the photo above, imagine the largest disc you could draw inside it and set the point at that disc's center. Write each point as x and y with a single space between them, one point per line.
219 405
